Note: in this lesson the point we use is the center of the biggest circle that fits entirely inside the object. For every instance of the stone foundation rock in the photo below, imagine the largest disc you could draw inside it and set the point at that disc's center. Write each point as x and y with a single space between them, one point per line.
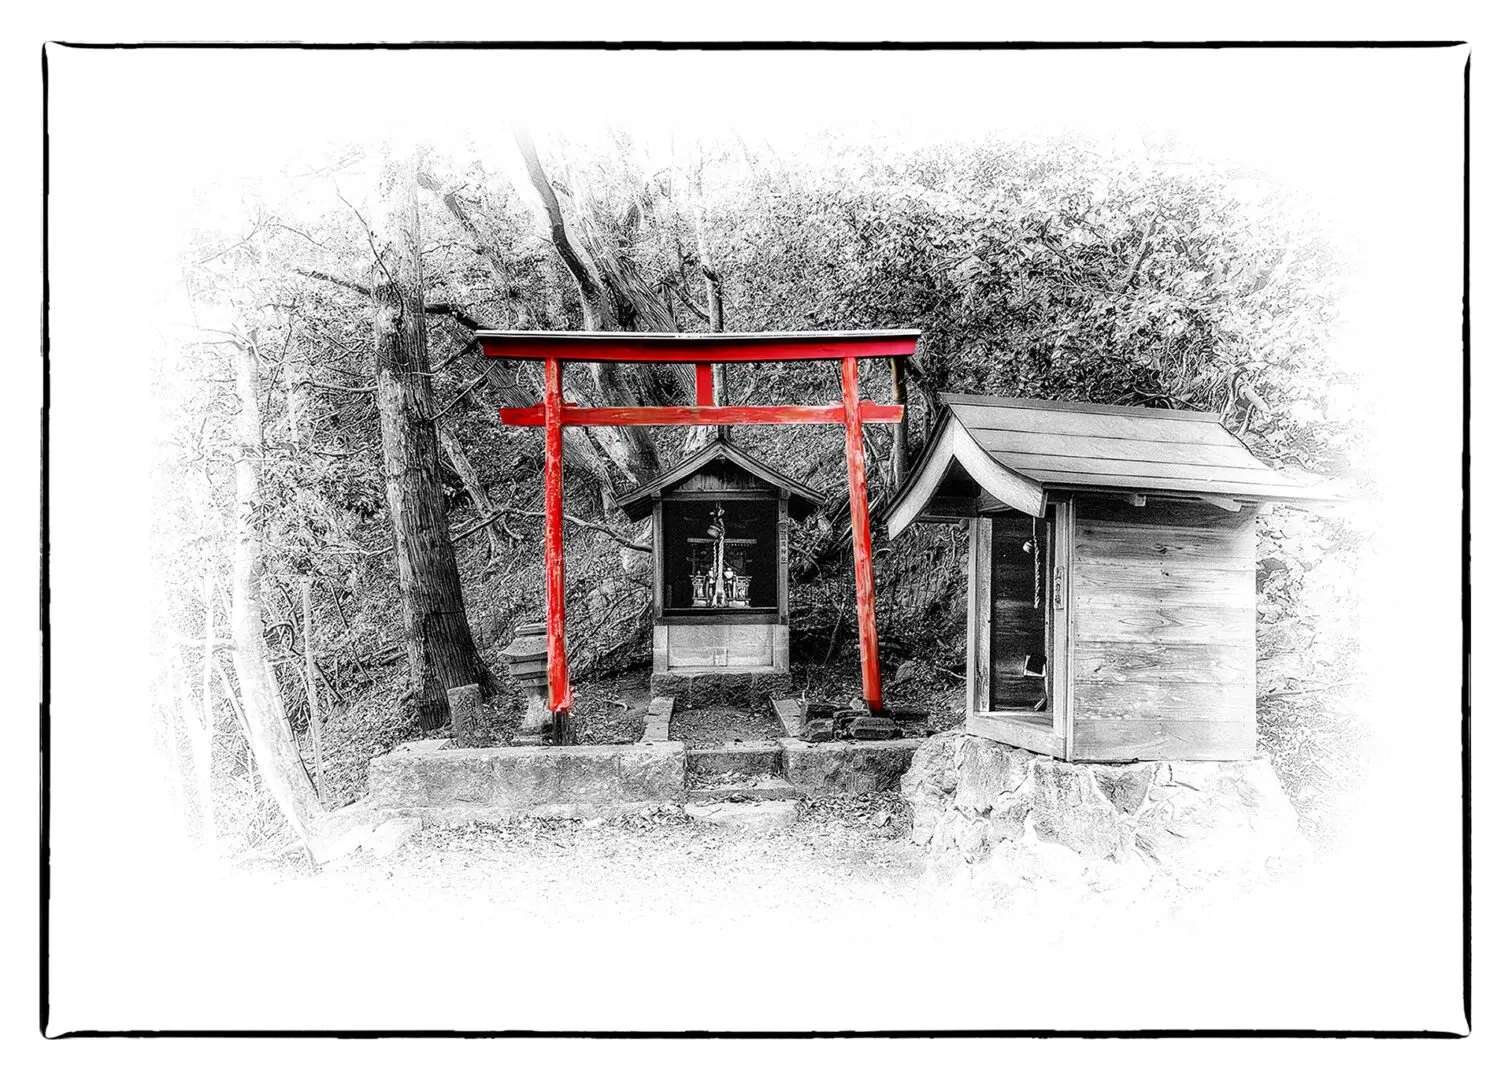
1013 816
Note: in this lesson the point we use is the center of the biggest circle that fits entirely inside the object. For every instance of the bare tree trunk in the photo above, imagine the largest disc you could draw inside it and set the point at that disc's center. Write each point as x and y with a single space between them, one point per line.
267 728
204 743
463 467
438 640
900 430
312 691
611 295
713 288
174 719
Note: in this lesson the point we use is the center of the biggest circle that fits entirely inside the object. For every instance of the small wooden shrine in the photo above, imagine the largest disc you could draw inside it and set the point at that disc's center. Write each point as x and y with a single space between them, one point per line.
1111 613
719 552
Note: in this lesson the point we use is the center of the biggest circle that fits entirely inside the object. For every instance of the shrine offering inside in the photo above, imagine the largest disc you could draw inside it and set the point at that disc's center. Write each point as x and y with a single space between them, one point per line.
719 540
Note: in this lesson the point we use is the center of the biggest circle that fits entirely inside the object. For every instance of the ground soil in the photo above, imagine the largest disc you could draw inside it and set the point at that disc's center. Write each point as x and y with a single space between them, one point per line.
712 727
843 850
611 710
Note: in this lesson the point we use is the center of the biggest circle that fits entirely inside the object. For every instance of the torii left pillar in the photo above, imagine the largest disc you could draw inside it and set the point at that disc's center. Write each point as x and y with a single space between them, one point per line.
558 690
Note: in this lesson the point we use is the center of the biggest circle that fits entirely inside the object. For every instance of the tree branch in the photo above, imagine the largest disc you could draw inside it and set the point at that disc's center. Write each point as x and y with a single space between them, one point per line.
468 389
451 310
587 281
687 300
597 526
373 389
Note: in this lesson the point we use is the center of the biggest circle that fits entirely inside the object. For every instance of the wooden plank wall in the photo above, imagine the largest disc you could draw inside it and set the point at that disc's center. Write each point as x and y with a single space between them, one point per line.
1164 653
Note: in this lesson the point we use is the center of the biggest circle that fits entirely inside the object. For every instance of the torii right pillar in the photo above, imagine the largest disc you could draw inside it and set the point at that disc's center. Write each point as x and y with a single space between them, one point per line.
866 590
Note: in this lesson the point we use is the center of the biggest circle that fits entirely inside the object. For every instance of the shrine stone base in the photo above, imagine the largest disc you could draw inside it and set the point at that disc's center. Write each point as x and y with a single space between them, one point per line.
549 781
703 689
1011 817
435 781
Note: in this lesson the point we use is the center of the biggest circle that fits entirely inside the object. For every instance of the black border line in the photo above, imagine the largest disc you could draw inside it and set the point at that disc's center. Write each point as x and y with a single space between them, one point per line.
770 46
1465 568
44 710
45 593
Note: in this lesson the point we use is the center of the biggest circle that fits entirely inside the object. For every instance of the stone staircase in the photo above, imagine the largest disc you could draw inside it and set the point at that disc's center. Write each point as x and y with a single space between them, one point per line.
739 772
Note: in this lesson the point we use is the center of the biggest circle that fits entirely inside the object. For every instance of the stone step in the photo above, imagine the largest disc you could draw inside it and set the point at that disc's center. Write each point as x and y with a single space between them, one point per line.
773 814
764 790
734 759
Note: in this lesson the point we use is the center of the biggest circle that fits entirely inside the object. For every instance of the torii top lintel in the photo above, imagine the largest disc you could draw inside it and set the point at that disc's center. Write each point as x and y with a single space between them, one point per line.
587 345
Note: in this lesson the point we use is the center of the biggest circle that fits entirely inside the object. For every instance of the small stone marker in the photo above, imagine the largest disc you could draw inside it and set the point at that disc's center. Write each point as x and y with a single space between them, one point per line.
466 703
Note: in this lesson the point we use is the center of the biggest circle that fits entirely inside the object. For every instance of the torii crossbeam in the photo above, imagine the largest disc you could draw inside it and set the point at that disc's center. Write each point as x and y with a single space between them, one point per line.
704 351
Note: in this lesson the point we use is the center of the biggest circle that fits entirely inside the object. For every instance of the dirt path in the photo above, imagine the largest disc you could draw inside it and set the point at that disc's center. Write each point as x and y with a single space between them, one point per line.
843 851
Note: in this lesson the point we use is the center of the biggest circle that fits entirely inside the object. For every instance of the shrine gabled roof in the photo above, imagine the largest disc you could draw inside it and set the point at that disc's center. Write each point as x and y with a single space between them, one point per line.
801 500
625 347
1018 449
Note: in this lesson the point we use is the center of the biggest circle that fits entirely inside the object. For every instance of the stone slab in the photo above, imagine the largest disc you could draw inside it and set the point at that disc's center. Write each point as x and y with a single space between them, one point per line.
658 720
789 712
850 768
522 777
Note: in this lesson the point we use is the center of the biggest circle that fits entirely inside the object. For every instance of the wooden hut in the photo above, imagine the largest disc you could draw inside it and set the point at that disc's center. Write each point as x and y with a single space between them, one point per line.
719 555
1111 614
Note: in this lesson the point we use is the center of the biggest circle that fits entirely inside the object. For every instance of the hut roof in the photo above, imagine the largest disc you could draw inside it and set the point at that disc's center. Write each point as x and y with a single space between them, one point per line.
1018 449
801 500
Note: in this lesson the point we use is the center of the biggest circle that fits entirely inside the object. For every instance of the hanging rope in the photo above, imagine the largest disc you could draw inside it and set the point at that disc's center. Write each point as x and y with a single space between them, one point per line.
1034 541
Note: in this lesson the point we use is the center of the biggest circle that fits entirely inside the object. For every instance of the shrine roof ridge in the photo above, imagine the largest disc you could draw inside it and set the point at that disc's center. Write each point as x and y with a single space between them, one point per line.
801 498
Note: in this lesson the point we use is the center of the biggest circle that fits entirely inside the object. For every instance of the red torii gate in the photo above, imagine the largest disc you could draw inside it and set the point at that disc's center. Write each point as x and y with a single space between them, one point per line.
703 351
